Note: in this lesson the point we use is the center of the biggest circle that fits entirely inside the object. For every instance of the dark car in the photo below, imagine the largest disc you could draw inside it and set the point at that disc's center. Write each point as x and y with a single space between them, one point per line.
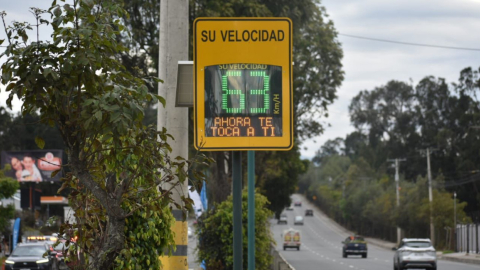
354 245
31 256
309 212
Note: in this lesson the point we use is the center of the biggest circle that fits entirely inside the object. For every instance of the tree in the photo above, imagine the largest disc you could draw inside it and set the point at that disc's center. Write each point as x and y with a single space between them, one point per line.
8 187
215 234
329 148
277 175
116 164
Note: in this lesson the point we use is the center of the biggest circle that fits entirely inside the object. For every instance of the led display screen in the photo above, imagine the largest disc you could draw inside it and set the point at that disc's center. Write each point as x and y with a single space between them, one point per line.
243 100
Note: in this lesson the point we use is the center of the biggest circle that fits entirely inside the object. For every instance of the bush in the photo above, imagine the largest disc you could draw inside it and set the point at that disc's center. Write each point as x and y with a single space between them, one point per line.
215 234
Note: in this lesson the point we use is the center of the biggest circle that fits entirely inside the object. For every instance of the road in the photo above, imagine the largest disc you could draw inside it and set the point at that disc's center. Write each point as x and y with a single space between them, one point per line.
192 246
322 248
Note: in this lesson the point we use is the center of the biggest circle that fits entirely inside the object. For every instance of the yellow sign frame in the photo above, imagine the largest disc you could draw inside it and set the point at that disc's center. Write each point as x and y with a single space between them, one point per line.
232 49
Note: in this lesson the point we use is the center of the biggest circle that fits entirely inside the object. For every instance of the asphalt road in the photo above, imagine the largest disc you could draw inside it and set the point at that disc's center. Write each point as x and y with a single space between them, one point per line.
322 249
192 246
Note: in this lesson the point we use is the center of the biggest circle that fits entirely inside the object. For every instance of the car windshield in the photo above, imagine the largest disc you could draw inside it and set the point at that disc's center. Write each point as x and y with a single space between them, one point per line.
29 251
418 244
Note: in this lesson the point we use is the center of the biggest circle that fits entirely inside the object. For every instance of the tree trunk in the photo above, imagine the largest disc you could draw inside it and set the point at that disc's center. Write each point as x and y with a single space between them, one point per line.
115 238
221 184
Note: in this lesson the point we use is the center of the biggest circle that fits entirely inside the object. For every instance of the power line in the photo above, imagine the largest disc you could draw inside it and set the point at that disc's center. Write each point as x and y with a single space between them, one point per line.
410 43
460 182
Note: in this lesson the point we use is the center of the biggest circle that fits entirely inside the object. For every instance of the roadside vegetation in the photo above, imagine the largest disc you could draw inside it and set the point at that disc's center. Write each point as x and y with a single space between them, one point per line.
352 179
116 164
215 234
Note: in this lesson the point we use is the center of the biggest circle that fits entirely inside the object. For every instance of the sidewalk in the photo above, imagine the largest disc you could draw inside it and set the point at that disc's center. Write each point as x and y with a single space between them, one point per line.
471 258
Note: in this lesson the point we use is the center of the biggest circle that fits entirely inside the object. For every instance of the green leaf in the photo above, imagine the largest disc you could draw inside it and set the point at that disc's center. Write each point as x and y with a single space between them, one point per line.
64 185
162 100
40 142
1 41
55 173
98 115
57 12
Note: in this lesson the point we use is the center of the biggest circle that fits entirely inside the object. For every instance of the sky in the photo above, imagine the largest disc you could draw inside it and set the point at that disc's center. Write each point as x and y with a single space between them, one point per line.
369 64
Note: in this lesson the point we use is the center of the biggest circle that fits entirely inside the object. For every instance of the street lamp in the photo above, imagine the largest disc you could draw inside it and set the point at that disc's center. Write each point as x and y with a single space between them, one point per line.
455 220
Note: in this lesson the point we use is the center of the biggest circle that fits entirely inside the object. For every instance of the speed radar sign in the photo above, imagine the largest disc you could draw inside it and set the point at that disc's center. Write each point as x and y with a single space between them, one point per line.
243 84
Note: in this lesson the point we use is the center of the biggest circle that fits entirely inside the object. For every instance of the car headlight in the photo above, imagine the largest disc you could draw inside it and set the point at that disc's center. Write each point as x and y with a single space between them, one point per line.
42 261
9 262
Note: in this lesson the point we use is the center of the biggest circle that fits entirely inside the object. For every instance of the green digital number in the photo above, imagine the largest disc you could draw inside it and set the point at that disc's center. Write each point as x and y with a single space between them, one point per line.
264 91
226 93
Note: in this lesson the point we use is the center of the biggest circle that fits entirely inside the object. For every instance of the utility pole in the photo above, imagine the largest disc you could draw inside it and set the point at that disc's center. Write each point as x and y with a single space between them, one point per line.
430 198
173 48
455 221
397 187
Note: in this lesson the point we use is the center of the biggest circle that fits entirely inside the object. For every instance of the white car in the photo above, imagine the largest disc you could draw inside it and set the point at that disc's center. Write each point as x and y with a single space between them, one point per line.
198 212
298 220
283 219
415 253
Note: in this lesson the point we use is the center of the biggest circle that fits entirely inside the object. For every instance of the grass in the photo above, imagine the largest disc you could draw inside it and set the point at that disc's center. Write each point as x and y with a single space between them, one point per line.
447 251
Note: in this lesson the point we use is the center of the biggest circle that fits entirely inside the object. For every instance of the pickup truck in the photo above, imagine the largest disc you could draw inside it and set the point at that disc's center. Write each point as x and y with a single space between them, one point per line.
291 239
354 245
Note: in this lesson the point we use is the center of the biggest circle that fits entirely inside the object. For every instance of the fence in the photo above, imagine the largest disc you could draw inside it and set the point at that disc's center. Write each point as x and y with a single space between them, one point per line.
468 238
279 263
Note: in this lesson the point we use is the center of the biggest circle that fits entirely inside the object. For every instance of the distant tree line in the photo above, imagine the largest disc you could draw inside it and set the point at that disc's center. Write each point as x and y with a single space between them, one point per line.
352 178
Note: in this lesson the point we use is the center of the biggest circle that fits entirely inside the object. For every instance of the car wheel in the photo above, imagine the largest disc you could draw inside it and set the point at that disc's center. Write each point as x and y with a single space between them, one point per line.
364 255
344 255
284 248
434 268
298 248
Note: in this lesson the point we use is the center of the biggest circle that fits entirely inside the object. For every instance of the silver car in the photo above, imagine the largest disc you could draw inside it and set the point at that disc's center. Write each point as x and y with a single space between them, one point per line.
415 253
298 220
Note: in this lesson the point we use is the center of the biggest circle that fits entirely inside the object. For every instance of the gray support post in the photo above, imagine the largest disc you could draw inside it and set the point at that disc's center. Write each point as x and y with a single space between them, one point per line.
468 238
476 235
237 210
173 48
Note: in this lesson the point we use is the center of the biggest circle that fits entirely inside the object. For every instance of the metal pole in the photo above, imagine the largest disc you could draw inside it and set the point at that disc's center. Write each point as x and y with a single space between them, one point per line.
430 198
251 210
455 221
468 238
237 210
397 185
476 234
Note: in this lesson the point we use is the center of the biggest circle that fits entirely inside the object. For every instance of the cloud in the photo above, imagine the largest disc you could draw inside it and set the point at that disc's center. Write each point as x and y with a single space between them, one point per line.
369 64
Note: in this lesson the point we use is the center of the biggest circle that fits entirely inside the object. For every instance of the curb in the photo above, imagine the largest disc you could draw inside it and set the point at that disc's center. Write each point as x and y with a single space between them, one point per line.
461 260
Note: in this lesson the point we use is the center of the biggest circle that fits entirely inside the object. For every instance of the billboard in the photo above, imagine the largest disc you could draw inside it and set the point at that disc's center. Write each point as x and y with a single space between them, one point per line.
34 165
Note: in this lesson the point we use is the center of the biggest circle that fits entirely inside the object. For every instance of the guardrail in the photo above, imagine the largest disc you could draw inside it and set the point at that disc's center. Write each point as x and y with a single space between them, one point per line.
279 263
